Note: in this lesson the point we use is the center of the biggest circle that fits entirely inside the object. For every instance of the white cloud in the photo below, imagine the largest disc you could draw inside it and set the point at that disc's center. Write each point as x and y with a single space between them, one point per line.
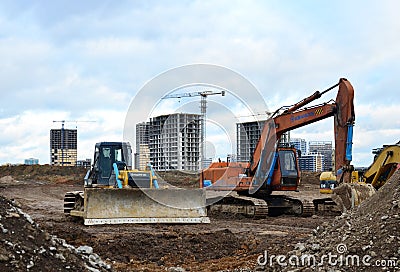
87 61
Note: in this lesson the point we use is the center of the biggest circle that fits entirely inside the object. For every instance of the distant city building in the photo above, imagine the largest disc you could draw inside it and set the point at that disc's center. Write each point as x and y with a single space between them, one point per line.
84 163
324 148
142 155
311 162
63 147
299 144
31 161
169 142
247 136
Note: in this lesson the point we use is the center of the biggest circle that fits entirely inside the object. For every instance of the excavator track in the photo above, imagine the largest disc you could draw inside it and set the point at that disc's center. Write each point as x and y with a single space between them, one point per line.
308 208
240 205
282 204
256 208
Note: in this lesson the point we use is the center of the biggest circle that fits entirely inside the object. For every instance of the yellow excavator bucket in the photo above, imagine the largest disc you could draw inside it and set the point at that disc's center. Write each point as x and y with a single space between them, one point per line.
146 205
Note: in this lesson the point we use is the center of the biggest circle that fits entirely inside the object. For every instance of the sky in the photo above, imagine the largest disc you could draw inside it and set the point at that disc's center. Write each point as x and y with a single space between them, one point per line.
86 61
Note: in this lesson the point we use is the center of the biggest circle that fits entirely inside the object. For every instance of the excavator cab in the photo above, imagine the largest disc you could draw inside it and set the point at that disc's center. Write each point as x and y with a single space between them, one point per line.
289 168
285 174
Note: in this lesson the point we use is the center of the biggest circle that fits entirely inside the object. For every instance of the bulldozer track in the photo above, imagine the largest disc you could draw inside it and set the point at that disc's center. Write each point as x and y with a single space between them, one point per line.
70 199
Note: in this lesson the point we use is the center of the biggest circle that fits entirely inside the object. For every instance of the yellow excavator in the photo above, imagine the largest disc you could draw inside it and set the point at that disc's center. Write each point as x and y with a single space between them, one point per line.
364 183
115 194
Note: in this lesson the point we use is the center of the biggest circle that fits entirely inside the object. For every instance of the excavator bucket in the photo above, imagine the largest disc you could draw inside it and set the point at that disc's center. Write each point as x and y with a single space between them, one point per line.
130 205
349 195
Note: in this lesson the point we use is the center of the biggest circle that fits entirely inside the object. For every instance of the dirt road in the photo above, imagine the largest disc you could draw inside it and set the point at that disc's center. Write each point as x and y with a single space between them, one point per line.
225 244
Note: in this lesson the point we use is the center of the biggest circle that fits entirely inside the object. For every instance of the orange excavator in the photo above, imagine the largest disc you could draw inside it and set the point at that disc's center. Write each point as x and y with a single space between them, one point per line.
274 166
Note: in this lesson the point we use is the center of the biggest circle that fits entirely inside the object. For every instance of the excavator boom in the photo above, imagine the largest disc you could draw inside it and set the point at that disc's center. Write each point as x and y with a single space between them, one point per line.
343 111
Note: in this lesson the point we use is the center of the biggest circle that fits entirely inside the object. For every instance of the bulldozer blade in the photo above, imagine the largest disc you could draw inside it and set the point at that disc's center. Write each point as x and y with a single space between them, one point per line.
117 206
349 195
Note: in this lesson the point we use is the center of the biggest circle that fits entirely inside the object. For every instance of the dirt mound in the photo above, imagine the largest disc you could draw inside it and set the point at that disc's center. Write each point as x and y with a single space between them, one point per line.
48 173
25 247
180 178
310 177
7 179
365 239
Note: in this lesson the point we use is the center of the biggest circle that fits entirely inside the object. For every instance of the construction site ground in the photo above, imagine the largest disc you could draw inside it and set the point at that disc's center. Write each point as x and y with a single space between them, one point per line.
228 243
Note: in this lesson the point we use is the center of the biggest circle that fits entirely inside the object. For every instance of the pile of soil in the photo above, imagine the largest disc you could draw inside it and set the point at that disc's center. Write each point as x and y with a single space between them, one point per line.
182 179
57 174
185 179
367 238
24 246
310 177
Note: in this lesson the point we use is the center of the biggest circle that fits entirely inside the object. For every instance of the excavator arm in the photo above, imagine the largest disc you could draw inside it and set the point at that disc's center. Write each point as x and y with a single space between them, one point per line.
295 117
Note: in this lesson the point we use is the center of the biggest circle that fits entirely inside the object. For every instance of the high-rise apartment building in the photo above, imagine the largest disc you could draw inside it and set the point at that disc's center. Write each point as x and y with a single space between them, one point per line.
63 147
169 142
299 144
324 148
142 155
247 136
311 162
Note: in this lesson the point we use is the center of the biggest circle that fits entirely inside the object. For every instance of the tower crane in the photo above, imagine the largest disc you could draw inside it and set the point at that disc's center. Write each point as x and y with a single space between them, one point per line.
203 110
63 133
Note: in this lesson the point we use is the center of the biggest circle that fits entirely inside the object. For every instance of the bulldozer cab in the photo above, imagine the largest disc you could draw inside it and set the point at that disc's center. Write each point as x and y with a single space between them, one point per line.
107 153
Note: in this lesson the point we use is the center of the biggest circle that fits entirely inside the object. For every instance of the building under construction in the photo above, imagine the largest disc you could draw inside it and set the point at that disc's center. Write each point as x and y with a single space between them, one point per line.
169 142
142 155
63 147
247 136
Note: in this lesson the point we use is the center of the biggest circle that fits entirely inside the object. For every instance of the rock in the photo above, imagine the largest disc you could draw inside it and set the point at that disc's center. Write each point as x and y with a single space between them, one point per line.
30 265
52 248
315 247
91 269
85 249
4 258
384 217
93 264
364 248
176 269
60 256
13 214
300 246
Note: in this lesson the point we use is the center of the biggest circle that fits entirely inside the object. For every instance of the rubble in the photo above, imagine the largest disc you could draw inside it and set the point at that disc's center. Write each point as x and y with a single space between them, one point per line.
366 238
24 246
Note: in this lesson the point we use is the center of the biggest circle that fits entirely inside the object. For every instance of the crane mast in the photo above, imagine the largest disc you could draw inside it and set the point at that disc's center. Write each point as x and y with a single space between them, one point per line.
203 112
